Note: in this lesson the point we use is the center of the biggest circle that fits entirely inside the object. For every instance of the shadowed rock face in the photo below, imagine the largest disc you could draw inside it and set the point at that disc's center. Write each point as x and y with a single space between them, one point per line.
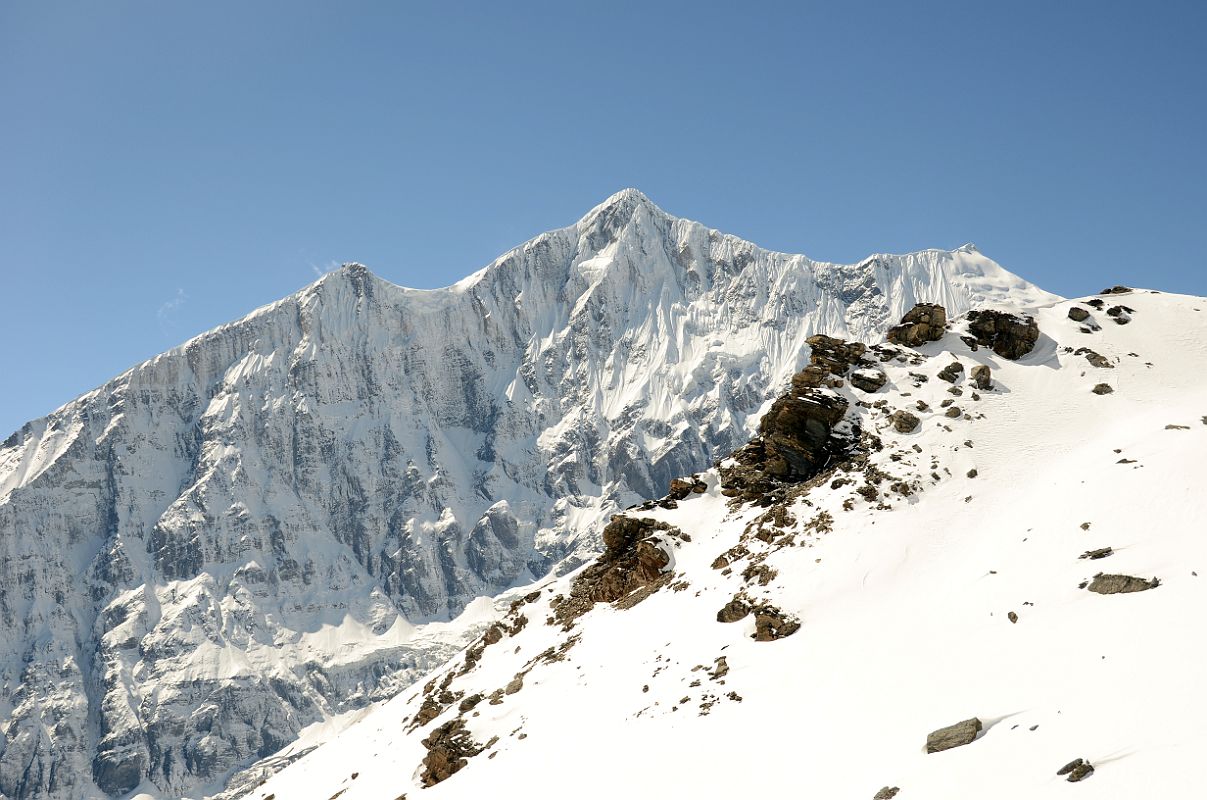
1009 335
361 456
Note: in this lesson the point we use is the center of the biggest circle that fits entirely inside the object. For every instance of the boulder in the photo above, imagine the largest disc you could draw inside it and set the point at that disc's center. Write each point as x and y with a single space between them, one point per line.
1121 584
868 380
925 322
887 793
1078 314
904 421
1102 388
1009 335
1078 770
952 372
982 377
1116 290
770 624
733 611
1121 314
957 735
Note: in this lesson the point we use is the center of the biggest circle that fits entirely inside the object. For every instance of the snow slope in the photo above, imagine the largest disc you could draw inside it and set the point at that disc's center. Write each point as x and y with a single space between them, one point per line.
903 601
243 538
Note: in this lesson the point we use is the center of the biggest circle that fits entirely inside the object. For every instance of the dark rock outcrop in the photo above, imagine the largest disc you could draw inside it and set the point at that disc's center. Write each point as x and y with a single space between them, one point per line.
982 377
796 441
1116 290
450 747
1094 555
925 322
957 735
1009 335
630 568
1102 388
1121 584
1078 314
682 488
829 358
887 793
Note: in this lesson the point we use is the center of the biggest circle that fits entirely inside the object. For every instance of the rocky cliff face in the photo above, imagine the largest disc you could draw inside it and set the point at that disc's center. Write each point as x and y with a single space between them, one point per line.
247 534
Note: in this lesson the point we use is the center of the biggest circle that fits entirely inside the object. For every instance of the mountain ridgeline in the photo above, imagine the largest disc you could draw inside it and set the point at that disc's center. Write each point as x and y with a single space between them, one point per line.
268 525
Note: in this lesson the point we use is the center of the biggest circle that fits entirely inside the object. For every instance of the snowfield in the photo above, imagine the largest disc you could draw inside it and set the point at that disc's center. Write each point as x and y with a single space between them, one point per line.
955 589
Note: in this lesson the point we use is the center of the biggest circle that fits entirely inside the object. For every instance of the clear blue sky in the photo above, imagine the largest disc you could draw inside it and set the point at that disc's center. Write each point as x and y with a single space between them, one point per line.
166 167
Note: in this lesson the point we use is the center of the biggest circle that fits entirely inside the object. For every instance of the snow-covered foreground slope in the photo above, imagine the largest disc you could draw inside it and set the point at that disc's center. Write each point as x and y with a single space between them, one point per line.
954 588
243 537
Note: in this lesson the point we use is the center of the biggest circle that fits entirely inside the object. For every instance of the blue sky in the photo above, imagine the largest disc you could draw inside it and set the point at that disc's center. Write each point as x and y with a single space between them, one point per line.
166 167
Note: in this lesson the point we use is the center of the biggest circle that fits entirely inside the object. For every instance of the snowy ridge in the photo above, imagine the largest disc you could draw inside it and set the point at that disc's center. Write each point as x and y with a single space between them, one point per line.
246 536
961 587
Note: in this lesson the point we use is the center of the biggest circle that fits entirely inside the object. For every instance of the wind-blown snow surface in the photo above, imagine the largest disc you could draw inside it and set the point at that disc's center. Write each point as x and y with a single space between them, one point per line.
235 540
904 605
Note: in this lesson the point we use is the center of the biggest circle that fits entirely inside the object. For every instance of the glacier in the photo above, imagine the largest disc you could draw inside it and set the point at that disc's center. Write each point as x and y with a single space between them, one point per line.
277 522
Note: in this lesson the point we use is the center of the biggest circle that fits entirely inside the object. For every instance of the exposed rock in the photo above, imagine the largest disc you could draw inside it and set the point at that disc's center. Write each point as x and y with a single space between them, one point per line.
1013 617
1116 290
681 488
1008 335
957 735
1121 314
770 624
797 440
954 412
1102 388
450 747
982 377
904 421
869 380
633 559
733 611
1095 359
1078 314
972 473
925 322
1094 555
836 355
1121 584
952 372
1078 769
887 793
1096 303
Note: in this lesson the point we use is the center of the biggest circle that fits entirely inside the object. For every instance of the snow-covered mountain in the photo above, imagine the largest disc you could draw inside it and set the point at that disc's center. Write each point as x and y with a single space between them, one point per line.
251 533
992 589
